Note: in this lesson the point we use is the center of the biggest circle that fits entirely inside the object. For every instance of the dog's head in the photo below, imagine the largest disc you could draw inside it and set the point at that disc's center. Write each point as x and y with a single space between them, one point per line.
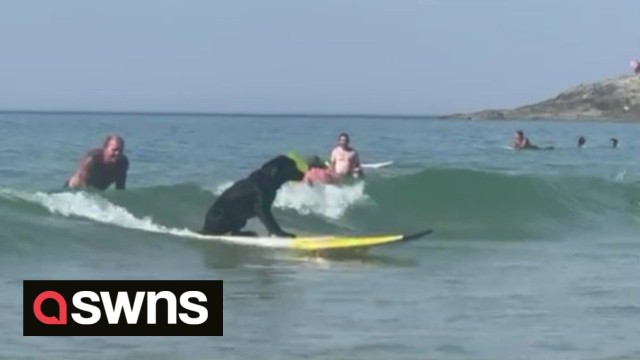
282 169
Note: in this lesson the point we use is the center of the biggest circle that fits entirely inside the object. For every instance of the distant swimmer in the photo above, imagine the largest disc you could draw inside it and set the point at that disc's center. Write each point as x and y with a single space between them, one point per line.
521 142
345 160
318 172
614 142
100 168
581 141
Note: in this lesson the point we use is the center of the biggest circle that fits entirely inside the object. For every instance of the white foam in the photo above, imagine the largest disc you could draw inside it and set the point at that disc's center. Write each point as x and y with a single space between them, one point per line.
221 188
331 201
96 208
620 175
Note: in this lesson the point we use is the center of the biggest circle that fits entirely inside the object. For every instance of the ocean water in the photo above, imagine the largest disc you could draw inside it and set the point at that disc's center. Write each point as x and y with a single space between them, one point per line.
535 254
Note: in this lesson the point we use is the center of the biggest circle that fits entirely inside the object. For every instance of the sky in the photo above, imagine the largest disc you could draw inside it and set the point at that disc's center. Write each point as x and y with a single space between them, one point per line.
407 57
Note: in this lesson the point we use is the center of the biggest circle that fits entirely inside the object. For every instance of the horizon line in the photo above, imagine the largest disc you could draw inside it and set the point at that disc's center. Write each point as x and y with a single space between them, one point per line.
213 113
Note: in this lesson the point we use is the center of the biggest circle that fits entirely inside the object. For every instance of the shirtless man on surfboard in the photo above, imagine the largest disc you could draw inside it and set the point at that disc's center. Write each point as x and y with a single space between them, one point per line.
345 160
522 142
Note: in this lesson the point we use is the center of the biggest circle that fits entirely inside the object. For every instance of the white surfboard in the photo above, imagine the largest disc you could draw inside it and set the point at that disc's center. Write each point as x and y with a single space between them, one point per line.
377 165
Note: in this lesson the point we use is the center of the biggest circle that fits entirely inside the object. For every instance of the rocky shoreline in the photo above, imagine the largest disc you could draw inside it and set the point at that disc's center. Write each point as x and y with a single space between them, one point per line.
611 99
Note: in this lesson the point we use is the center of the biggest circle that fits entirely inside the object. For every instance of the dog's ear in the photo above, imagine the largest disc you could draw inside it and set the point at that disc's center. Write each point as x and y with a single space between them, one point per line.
282 169
273 166
290 171
271 170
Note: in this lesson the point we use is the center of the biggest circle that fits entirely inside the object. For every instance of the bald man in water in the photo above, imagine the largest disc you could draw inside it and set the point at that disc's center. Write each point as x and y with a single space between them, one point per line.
100 168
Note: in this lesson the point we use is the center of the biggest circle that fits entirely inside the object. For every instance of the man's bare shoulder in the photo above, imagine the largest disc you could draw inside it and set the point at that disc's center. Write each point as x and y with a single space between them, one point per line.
93 154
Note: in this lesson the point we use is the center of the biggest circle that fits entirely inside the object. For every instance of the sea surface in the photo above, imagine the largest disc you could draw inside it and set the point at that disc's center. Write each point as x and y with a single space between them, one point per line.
534 255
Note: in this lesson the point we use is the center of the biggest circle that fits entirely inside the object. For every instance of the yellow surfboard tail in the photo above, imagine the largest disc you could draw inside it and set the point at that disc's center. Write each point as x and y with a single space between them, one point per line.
344 242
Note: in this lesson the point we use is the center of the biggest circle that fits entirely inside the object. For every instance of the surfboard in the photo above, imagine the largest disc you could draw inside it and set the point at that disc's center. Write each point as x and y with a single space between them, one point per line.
377 165
369 165
533 148
322 242
345 242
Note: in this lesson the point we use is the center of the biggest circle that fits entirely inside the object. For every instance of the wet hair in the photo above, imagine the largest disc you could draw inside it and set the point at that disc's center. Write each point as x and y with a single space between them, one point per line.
315 162
614 141
581 140
520 133
112 137
345 135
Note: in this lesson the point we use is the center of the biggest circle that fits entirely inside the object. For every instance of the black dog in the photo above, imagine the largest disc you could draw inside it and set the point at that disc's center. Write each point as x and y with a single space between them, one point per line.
252 196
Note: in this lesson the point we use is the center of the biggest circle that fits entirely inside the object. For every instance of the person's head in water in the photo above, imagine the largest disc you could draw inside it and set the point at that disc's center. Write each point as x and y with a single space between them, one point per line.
315 162
614 142
343 140
581 141
112 148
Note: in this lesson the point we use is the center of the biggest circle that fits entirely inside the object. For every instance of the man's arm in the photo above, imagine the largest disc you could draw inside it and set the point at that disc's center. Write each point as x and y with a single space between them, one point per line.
79 179
122 175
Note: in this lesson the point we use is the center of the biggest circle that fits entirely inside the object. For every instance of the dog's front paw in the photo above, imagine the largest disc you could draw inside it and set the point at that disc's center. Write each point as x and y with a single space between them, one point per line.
285 235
